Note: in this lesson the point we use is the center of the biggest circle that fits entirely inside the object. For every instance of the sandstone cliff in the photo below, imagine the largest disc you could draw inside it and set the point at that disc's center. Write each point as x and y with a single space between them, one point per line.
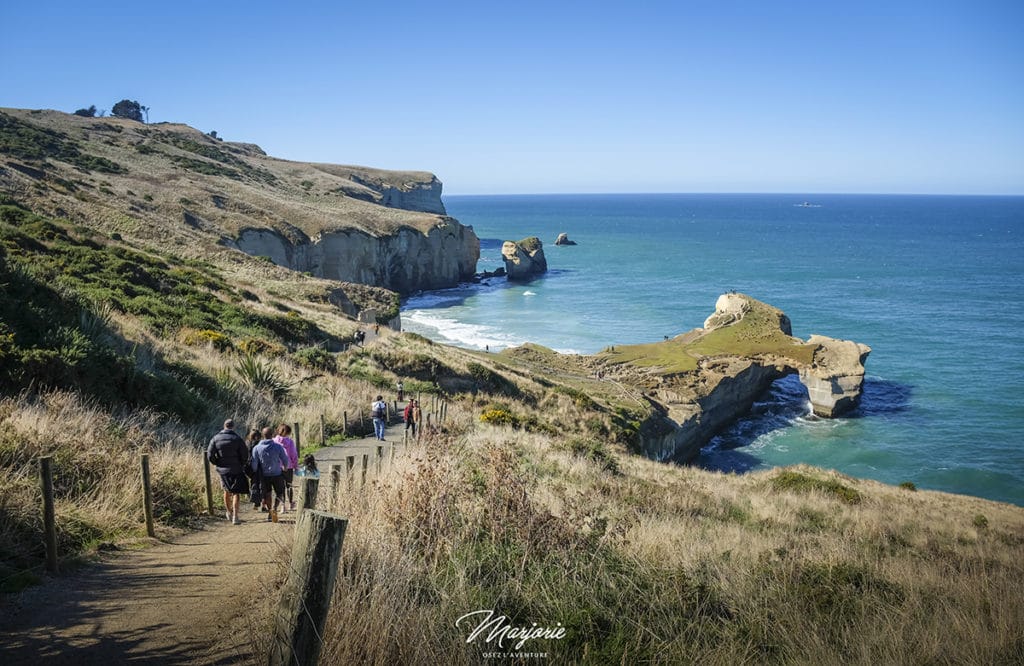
524 259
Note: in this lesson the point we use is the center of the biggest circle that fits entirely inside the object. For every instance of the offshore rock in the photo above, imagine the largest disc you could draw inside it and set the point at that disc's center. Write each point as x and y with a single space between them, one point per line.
835 378
525 259
563 239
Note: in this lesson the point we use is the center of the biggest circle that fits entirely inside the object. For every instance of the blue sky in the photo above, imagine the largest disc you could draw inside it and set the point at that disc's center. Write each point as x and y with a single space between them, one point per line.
530 97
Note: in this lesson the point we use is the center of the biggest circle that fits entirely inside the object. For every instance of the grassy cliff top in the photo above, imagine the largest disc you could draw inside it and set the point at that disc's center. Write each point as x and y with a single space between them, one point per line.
166 180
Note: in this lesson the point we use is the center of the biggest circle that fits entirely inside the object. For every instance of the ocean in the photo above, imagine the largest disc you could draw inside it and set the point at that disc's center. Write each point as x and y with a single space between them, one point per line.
934 284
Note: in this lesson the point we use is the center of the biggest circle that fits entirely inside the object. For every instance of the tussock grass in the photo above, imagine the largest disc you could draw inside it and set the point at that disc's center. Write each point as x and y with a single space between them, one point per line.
666 565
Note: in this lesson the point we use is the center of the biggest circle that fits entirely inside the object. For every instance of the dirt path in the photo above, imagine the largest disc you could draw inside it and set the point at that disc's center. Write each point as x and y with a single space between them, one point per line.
186 600
192 598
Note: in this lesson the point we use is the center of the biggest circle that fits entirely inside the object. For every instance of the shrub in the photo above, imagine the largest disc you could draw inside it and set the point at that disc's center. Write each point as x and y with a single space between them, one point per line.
315 358
792 481
908 485
193 337
594 450
980 521
500 417
254 346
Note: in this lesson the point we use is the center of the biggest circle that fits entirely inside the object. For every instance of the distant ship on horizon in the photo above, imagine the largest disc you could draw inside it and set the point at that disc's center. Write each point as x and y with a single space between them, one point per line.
807 204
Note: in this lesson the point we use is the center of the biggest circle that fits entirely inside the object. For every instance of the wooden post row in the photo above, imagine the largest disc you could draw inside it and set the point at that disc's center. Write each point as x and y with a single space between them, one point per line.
209 484
49 513
147 496
310 487
306 595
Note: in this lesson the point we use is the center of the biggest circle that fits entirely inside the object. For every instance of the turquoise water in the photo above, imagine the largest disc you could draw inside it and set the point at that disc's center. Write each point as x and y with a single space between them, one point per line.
935 285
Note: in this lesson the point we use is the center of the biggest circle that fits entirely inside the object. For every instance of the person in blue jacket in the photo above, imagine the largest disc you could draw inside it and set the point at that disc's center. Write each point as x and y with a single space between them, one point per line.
269 460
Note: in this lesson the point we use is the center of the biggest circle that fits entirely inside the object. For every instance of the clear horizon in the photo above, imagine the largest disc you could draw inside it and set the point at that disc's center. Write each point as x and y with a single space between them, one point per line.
878 97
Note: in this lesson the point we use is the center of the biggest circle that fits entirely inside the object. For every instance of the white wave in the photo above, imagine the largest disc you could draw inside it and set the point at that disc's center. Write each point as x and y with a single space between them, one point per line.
529 293
445 329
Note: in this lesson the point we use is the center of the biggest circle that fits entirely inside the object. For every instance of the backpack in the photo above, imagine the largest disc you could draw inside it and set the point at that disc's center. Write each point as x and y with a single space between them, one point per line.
380 410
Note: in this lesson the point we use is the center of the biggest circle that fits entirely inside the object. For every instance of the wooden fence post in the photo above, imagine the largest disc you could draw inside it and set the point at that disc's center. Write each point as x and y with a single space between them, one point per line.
344 424
350 463
366 463
209 484
310 487
49 513
335 484
298 442
306 595
392 454
147 496
380 457
323 431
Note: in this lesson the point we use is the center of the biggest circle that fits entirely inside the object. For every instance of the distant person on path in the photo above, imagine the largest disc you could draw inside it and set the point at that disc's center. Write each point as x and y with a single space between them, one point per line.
288 445
270 459
410 416
401 390
309 467
379 409
228 452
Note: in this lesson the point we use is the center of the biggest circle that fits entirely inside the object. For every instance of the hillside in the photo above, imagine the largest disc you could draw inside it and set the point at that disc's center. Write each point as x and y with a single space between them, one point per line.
125 331
170 186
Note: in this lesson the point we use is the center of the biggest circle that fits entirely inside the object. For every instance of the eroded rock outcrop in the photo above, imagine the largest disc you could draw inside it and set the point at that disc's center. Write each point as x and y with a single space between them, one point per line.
563 239
706 379
525 259
835 377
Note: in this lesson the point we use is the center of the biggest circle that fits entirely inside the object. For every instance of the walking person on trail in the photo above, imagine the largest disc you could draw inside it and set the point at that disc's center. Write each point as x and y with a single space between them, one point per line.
410 416
255 492
401 390
270 461
228 452
288 445
379 409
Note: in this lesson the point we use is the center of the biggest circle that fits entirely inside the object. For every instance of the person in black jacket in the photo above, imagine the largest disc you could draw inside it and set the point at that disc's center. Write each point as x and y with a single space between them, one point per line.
228 452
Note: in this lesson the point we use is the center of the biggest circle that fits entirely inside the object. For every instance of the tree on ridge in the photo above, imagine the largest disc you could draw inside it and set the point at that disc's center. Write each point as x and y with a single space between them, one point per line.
129 109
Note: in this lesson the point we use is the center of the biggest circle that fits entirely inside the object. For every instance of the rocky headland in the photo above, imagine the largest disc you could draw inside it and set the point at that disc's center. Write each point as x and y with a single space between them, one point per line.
676 395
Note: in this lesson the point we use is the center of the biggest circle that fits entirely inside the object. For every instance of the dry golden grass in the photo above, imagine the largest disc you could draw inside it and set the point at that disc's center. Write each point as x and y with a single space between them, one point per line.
662 564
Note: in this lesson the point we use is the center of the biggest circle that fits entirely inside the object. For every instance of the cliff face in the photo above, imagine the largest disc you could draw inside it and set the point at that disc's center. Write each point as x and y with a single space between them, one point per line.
404 261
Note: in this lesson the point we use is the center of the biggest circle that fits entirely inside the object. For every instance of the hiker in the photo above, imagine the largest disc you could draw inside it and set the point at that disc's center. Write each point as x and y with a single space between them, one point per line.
309 467
410 416
288 445
228 452
379 409
401 390
270 460
255 492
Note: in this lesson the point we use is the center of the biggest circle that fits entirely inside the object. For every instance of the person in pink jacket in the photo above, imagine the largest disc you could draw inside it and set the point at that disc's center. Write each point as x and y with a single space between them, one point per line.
282 438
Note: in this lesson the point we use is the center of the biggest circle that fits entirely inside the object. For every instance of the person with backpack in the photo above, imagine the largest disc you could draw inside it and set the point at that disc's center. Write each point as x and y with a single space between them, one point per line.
228 452
270 461
410 416
379 409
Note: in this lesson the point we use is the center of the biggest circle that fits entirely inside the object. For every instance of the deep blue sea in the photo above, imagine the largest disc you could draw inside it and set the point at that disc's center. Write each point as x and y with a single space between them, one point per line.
934 284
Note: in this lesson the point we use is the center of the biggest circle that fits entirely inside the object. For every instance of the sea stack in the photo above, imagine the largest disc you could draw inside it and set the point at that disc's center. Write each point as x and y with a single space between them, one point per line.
563 239
524 259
